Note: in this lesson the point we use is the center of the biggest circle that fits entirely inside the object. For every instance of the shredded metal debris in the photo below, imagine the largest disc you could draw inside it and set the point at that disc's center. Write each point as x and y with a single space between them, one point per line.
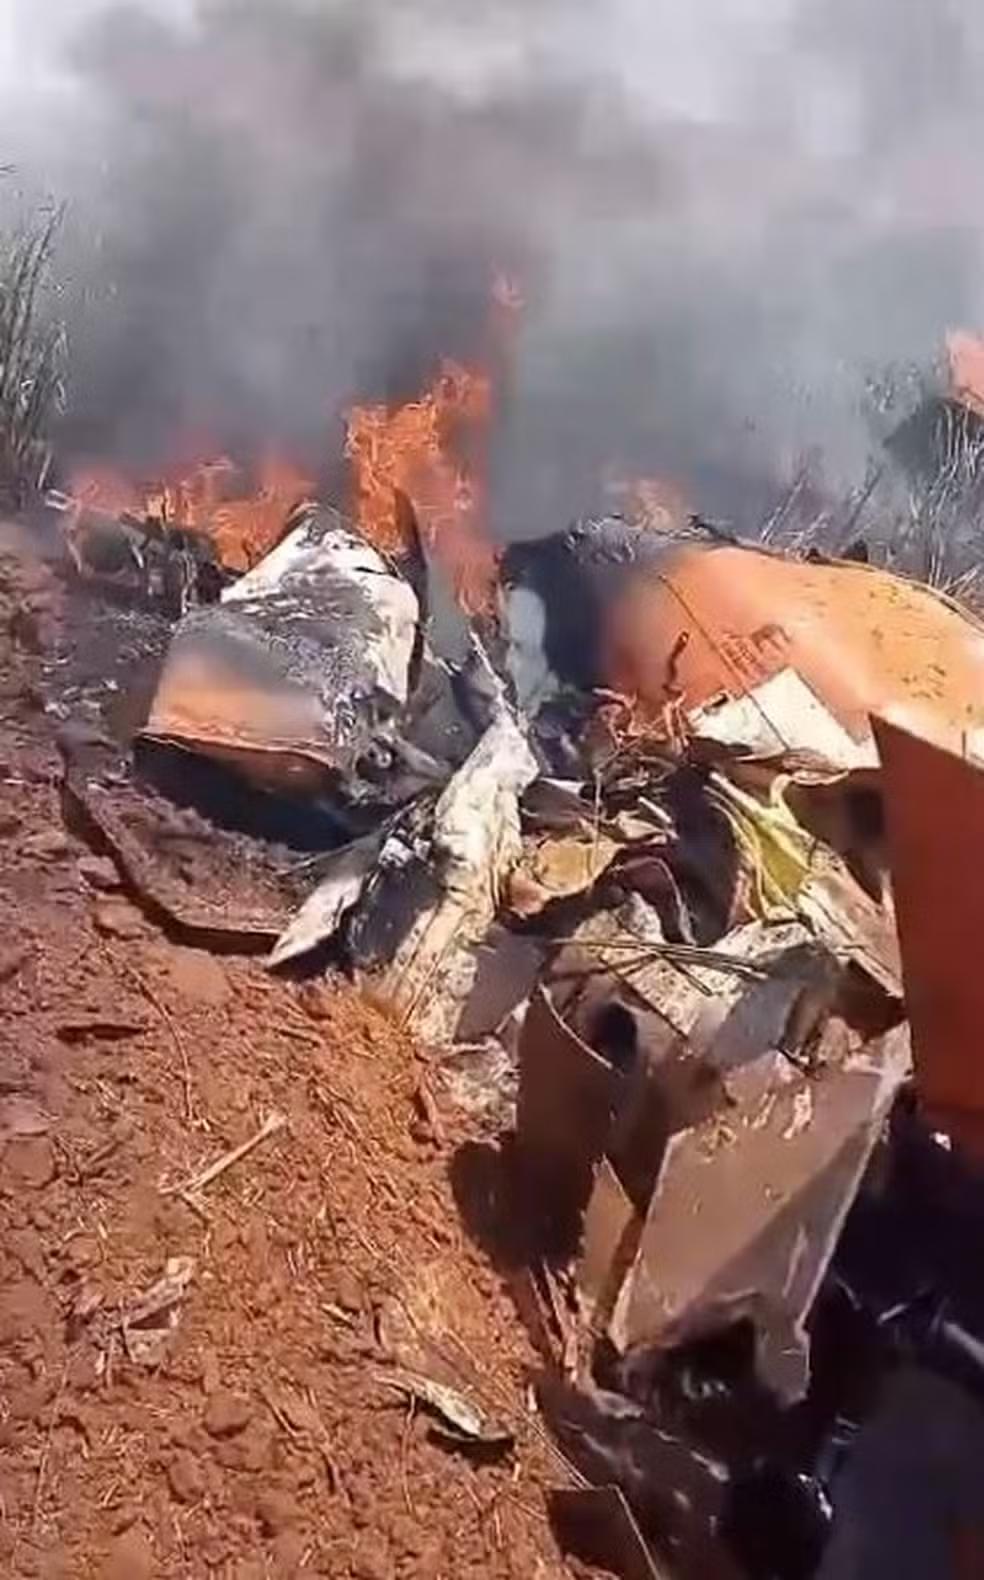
630 872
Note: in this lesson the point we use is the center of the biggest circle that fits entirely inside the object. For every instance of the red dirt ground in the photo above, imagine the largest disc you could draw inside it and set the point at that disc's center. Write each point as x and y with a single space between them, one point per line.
263 1442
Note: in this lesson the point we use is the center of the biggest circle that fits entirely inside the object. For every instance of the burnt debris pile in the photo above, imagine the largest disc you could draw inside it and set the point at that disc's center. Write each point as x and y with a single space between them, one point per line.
673 867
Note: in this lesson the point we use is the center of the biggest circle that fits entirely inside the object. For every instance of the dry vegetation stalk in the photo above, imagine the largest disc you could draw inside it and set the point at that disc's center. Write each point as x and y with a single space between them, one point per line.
32 356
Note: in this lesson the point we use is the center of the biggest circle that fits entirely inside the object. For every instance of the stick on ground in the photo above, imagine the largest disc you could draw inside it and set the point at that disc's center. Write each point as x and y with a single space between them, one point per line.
199 1182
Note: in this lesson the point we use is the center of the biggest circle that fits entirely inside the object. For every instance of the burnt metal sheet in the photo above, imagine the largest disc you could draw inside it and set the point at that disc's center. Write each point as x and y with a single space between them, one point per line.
563 1116
862 640
676 1491
780 709
344 874
682 622
598 1526
853 925
559 867
749 1206
608 1244
762 984
699 1121
934 806
296 672
428 911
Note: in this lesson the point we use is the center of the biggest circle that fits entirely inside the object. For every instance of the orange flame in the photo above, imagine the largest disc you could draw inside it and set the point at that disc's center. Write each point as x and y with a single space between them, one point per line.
417 450
101 488
431 450
243 525
212 496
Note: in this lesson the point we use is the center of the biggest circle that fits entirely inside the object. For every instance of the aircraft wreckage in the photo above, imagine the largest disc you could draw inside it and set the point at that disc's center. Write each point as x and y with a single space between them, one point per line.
672 871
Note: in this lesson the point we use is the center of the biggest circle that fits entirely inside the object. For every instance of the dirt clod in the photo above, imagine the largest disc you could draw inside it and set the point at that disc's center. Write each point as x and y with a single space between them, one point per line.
185 1478
276 1512
196 976
115 918
227 1413
131 1557
348 1293
12 961
99 872
125 1517
250 1450
210 1372
371 1559
48 844
30 1162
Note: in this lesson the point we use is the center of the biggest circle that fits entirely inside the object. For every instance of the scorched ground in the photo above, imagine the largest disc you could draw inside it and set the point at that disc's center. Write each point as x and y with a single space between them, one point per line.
259 1439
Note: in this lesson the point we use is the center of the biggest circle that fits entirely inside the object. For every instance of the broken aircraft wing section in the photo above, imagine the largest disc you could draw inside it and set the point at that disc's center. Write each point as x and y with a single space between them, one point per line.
747 646
308 656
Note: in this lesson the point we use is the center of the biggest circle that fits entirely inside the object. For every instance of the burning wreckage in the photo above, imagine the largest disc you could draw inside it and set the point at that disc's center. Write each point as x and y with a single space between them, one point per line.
670 870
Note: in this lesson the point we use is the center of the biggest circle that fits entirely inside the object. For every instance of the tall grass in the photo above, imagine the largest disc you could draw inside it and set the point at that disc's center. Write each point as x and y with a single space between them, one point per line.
33 356
920 513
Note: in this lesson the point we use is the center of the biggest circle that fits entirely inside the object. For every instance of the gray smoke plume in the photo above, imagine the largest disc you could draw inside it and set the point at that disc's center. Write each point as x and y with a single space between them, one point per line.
724 215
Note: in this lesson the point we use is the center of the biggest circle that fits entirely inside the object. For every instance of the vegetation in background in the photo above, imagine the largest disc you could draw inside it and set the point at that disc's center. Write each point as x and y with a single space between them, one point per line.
919 509
32 356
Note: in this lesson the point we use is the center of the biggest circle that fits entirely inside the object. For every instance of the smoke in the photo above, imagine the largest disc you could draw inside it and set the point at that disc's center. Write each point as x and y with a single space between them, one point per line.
723 215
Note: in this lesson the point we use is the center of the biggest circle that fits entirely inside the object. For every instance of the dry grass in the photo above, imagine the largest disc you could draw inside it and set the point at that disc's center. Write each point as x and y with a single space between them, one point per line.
32 356
924 520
